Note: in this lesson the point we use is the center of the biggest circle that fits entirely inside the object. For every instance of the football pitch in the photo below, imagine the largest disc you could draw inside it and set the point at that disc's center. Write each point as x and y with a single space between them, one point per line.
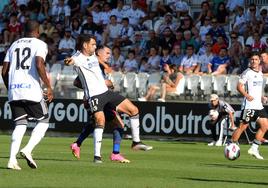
171 164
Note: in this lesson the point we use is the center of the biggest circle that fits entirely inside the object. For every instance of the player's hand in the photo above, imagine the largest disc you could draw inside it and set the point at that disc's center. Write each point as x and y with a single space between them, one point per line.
68 61
48 94
249 98
264 99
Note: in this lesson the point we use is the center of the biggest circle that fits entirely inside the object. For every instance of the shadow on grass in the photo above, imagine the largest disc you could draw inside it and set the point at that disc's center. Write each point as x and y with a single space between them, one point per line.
238 166
224 181
43 159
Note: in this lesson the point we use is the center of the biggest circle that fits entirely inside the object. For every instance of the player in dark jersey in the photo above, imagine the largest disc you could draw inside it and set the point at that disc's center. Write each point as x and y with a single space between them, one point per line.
223 110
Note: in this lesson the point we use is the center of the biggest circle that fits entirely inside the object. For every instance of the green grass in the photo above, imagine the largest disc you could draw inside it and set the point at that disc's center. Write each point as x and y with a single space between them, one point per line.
170 164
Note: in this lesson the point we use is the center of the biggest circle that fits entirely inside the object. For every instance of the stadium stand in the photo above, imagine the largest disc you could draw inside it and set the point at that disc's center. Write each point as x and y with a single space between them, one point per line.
169 19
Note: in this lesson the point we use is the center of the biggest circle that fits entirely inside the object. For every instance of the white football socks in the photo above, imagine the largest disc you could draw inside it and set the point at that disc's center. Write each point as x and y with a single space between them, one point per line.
135 128
16 139
97 136
37 134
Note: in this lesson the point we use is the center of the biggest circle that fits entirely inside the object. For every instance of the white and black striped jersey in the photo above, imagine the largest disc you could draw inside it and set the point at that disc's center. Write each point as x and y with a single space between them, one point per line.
223 107
24 80
253 83
90 74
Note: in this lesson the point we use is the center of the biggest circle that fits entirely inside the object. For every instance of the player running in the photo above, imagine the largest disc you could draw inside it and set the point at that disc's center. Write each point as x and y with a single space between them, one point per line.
22 69
251 87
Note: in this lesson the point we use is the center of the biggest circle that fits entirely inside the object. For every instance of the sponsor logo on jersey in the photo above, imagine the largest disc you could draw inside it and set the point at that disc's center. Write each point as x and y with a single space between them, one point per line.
257 83
20 86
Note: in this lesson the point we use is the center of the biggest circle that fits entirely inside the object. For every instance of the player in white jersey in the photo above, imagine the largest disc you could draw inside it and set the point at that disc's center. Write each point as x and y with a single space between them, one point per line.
95 89
251 87
22 69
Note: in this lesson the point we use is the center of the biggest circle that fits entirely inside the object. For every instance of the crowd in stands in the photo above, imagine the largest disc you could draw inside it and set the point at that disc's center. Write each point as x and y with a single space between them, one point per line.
145 35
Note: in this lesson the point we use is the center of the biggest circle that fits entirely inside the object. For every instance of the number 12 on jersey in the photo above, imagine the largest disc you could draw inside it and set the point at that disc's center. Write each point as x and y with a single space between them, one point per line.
22 55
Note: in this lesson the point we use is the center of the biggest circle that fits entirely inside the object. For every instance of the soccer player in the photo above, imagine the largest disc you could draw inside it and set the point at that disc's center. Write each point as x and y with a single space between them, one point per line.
112 117
22 69
225 110
250 85
89 72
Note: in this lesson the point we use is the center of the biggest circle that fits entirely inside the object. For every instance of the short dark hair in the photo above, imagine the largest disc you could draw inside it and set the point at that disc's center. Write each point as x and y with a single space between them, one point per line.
82 39
31 26
100 47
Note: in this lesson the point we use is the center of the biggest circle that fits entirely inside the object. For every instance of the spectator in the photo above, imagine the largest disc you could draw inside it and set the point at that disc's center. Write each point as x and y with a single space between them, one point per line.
219 63
171 81
177 55
66 46
45 11
253 15
91 28
75 6
152 41
168 38
112 31
14 30
235 51
178 37
205 12
46 27
187 24
216 30
34 6
231 5
181 8
75 28
205 28
139 44
219 45
264 62
239 25
95 11
136 16
106 13
208 40
189 61
257 44
245 59
154 60
126 34
117 59
165 57
144 65
131 64
264 21
119 11
222 14
167 23
189 40
204 60
61 13
22 14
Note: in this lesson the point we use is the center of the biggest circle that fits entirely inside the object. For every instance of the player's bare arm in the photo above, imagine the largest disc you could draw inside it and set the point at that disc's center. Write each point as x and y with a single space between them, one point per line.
5 70
240 89
40 65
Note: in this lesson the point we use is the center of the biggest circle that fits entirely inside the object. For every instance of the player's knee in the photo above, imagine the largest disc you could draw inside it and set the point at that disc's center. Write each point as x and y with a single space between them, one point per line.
99 126
134 110
45 120
21 122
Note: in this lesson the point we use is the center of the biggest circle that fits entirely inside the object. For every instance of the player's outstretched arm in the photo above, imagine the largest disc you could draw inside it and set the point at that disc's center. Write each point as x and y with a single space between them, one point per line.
40 65
5 71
